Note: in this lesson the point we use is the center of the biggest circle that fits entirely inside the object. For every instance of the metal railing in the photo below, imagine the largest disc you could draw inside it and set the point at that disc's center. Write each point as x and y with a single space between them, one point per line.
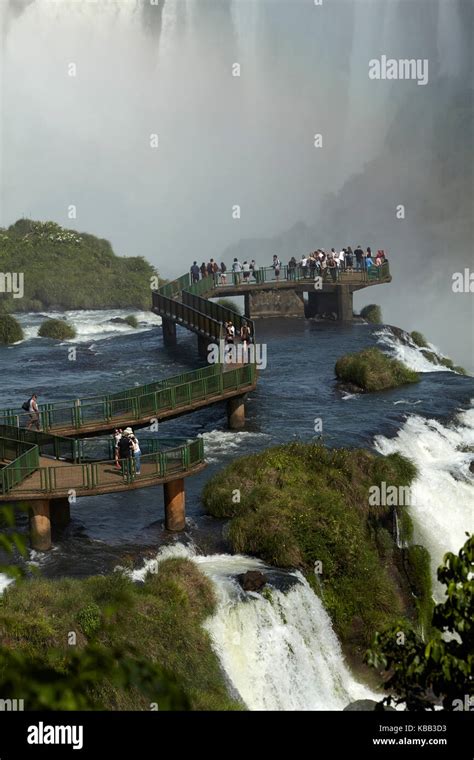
264 275
87 476
187 316
145 401
21 460
55 446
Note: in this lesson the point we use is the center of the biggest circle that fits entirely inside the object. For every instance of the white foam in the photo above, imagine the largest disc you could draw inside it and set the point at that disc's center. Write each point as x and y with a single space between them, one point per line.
278 654
443 491
5 581
221 442
409 353
92 324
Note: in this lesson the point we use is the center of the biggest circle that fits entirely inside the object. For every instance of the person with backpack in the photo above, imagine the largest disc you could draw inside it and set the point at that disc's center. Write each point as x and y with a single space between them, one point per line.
136 453
126 452
245 335
223 274
31 406
246 271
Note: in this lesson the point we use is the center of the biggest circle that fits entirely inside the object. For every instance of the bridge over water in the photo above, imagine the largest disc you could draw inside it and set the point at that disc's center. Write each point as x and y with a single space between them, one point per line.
50 468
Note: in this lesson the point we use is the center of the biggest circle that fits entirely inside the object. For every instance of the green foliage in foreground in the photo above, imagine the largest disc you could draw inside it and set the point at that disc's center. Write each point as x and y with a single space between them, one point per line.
57 329
135 644
371 370
10 330
372 313
441 668
419 339
228 303
64 269
303 503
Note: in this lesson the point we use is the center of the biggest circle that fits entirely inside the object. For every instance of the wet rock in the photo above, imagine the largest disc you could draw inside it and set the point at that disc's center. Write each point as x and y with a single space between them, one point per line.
367 705
252 580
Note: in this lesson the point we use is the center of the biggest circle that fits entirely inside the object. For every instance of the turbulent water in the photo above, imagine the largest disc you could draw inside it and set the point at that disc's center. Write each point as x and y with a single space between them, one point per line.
269 663
278 652
443 493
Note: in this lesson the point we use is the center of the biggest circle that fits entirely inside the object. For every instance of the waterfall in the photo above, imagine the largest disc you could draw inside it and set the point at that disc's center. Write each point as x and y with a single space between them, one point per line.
279 650
443 491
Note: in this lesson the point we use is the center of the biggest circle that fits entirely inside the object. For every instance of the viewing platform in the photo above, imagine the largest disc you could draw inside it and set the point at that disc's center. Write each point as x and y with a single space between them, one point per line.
51 472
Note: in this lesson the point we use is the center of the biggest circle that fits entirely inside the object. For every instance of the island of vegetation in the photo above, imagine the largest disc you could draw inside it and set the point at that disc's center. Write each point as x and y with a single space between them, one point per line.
10 330
372 313
371 370
58 329
307 506
136 646
65 269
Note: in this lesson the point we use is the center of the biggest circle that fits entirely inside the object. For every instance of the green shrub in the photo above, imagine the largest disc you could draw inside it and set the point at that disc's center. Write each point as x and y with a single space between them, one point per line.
10 330
371 370
65 269
58 329
372 313
90 619
228 303
419 339
131 320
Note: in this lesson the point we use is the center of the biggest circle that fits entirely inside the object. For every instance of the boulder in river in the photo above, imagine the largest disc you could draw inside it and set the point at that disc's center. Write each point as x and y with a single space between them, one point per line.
367 705
252 580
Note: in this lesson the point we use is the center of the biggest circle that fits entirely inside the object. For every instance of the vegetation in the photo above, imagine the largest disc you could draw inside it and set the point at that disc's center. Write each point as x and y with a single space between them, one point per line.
419 339
422 673
132 645
372 370
298 504
58 329
65 269
131 320
372 313
228 303
10 330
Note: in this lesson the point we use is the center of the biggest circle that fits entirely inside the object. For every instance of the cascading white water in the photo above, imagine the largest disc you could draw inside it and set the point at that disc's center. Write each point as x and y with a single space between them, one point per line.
4 582
279 653
443 492
408 352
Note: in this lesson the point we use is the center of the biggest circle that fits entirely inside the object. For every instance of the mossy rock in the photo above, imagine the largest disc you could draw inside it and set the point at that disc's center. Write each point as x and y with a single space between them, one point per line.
131 320
57 329
371 370
10 330
419 339
372 313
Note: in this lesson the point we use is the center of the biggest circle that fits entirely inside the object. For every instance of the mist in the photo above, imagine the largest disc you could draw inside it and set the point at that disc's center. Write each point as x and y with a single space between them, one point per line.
84 140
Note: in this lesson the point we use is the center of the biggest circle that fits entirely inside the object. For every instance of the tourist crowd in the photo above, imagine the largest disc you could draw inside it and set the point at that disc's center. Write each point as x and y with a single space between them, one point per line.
316 263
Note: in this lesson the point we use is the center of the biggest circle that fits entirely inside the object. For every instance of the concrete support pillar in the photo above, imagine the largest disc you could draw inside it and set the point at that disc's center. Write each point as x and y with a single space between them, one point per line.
175 511
344 303
60 512
203 343
169 331
40 525
247 305
236 412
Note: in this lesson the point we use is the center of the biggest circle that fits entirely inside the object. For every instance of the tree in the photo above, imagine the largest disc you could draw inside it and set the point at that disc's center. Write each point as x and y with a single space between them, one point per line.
422 674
